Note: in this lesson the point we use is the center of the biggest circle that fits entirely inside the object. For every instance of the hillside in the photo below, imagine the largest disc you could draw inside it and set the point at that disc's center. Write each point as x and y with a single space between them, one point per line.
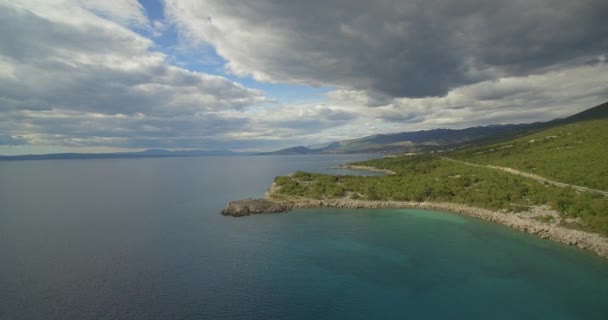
417 141
571 152
597 112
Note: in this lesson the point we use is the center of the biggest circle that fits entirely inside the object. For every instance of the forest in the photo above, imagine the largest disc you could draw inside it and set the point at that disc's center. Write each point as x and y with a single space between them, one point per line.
572 154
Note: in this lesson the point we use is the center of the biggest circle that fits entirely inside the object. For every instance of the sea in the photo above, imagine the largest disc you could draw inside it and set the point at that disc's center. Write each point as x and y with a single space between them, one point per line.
144 239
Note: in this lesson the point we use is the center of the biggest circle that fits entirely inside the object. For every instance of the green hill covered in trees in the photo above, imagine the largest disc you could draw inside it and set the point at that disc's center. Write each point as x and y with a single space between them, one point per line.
573 153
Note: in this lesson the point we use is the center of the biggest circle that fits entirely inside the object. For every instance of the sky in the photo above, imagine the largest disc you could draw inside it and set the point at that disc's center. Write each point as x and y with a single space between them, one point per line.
115 75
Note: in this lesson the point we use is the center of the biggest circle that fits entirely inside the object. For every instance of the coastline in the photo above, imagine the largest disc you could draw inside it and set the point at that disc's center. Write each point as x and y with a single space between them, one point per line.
531 221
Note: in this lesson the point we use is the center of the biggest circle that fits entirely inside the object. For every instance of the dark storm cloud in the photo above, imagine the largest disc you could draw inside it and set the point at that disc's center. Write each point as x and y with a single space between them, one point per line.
400 48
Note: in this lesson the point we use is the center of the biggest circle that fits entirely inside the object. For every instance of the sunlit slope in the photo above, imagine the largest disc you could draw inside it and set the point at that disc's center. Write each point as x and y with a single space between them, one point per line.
429 178
575 153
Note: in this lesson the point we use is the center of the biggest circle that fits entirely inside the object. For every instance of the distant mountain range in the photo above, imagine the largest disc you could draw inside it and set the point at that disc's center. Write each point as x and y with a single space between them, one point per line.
425 140
437 139
150 153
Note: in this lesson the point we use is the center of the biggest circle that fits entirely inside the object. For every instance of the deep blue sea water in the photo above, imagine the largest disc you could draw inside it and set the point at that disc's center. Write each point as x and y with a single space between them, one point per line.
143 239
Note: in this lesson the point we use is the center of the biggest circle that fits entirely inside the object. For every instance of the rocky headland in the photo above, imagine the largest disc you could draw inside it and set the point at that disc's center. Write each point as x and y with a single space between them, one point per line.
245 207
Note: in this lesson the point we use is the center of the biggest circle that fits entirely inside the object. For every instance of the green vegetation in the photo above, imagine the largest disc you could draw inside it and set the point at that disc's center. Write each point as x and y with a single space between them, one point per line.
572 153
575 154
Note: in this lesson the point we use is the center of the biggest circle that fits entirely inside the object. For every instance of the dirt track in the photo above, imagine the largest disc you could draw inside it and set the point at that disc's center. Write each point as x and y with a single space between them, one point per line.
530 175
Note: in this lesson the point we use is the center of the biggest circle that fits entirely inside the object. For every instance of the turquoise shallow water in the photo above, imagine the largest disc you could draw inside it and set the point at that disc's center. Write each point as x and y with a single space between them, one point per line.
142 239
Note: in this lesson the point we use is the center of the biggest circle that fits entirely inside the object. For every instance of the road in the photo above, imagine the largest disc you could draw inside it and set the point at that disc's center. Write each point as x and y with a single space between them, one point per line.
530 175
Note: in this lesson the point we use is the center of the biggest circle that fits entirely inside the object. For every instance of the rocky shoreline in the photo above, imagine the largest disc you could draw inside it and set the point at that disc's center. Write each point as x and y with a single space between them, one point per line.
533 221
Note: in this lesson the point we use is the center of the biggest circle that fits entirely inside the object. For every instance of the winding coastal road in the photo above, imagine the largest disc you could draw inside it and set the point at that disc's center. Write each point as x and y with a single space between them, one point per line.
530 175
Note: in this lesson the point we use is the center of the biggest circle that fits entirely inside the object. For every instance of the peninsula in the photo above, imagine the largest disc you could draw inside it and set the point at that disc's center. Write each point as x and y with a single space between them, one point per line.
552 183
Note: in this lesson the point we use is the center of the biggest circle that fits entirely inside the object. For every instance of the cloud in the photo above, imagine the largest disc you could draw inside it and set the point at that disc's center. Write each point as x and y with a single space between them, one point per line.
397 48
559 93
100 66
69 74
125 12
207 130
9 140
